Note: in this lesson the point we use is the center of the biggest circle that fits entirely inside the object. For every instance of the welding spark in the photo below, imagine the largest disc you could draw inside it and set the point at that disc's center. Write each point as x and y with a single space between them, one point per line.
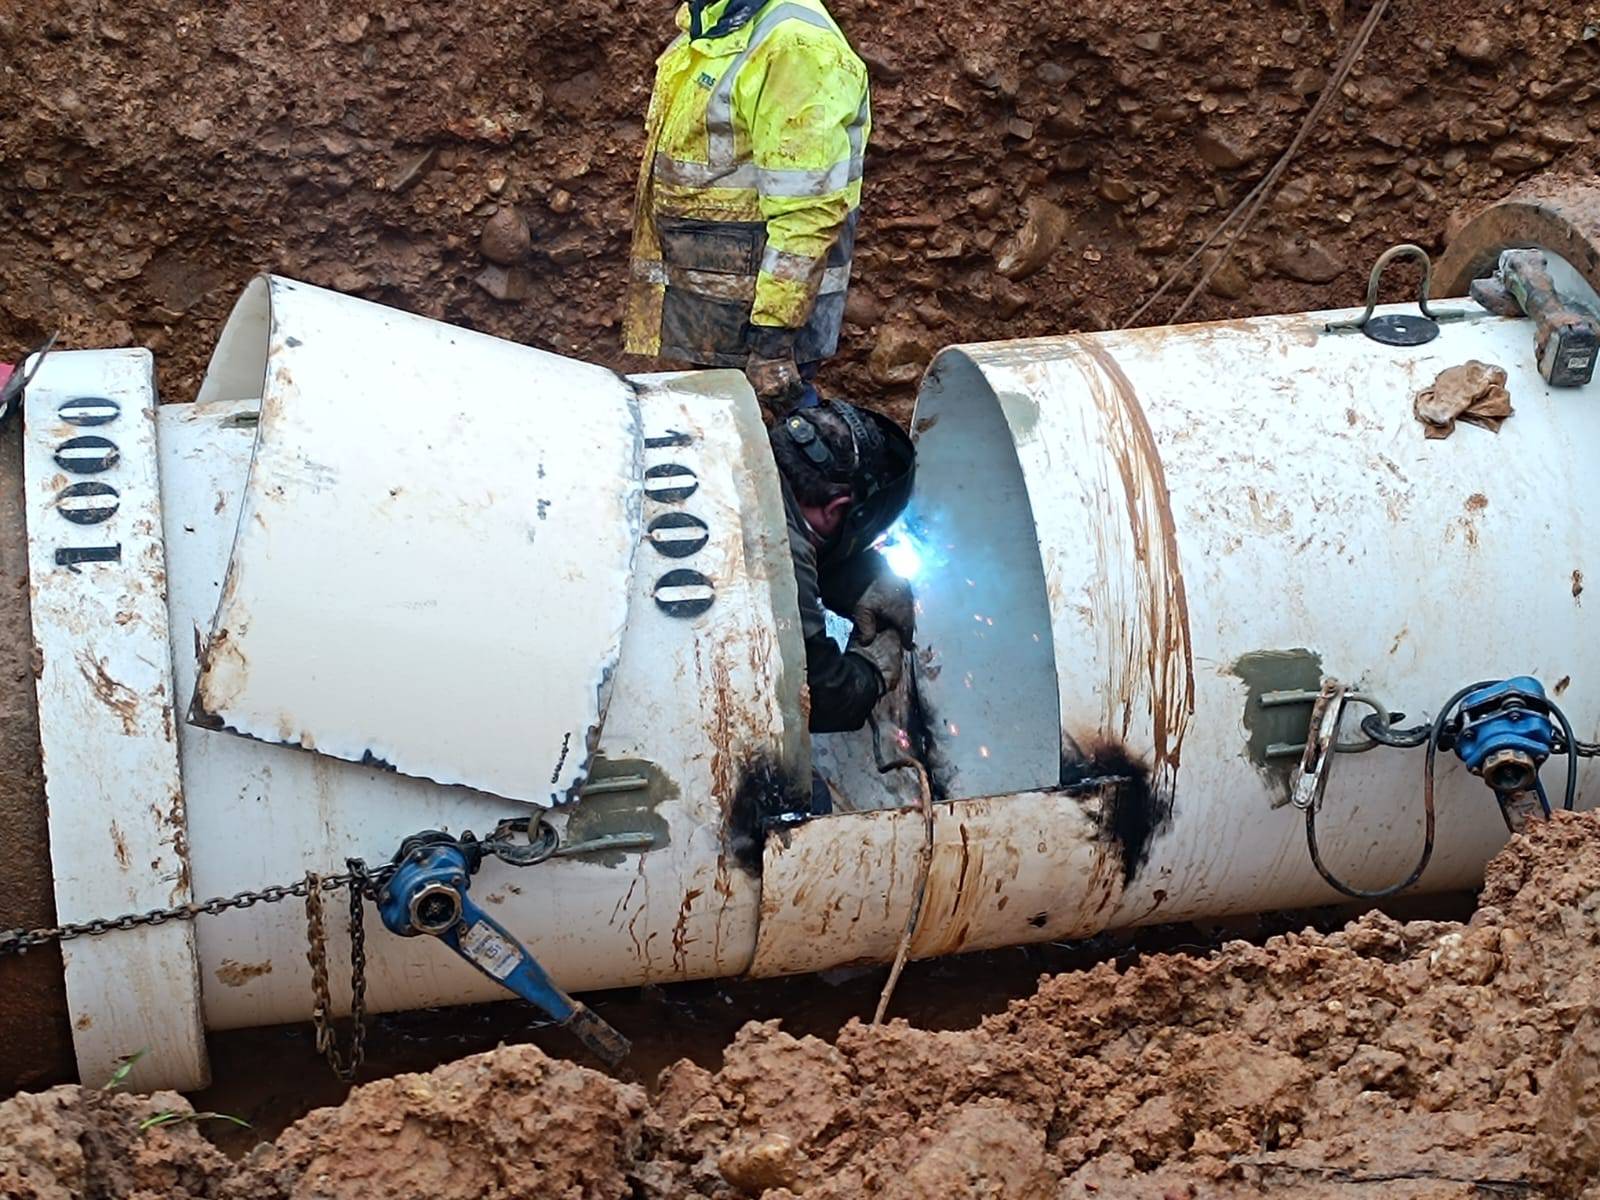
912 547
900 547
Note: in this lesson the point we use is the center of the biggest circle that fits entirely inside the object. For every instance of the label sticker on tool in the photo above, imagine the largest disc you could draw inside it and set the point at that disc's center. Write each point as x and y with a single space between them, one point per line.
490 951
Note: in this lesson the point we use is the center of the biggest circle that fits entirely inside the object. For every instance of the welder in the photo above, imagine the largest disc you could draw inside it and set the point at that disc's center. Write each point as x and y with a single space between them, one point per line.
846 474
745 219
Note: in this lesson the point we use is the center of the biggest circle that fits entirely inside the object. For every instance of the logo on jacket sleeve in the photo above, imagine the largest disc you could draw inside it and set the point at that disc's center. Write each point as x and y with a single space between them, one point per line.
705 80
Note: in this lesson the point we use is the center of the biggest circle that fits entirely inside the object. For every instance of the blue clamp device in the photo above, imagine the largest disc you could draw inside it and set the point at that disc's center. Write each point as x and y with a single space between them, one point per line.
1506 734
428 893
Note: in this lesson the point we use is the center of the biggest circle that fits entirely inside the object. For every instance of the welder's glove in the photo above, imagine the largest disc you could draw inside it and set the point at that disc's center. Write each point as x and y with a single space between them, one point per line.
885 651
776 381
888 603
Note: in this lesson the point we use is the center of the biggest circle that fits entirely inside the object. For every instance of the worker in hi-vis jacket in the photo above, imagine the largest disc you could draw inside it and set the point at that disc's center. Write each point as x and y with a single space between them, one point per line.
748 194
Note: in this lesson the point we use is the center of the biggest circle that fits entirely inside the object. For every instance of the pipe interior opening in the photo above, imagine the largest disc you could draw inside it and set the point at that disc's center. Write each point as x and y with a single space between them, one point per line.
238 367
987 672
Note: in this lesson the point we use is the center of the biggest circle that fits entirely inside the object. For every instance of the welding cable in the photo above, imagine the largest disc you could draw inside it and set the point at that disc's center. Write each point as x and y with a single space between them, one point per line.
1435 732
1382 733
924 862
1572 760
1247 209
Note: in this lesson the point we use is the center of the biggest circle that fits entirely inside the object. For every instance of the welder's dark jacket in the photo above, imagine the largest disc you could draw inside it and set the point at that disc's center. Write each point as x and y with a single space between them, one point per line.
844 686
745 218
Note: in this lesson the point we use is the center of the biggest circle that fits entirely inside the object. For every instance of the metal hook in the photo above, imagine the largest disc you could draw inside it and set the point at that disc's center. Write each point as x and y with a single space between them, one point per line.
1398 329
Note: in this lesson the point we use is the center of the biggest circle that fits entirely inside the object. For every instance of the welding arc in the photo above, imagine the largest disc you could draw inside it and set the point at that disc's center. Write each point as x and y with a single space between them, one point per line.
1247 209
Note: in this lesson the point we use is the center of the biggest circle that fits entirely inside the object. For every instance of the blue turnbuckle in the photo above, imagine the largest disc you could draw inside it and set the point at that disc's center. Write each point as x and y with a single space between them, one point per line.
1506 734
428 893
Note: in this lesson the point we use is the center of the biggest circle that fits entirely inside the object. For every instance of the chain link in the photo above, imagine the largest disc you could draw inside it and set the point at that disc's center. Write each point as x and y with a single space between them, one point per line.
363 885
344 1066
367 882
20 941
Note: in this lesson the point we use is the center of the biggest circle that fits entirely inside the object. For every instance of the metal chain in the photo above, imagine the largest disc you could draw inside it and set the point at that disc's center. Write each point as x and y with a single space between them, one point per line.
499 843
19 941
363 885
344 1066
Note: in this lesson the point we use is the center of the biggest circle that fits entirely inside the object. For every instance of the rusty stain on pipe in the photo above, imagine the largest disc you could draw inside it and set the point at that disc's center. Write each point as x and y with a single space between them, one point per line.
1155 673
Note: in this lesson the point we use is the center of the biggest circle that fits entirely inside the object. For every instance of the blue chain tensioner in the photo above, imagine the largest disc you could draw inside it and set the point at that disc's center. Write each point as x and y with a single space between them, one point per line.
428 894
1505 735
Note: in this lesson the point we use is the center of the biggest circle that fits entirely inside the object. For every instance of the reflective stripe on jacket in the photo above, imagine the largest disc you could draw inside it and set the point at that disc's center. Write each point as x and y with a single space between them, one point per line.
748 193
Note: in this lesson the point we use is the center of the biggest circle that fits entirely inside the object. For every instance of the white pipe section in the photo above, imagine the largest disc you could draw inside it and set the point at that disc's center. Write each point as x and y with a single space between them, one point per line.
97 568
1236 508
413 507
1125 540
698 704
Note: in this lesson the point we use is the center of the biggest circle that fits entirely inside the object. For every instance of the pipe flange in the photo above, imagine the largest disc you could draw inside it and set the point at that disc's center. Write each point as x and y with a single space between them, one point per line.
1560 218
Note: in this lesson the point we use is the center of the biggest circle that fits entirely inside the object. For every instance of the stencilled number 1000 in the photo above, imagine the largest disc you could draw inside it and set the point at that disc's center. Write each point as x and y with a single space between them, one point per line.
89 501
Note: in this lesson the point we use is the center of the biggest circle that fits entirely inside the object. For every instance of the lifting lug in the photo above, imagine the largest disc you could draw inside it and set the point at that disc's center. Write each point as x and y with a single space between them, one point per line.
1399 329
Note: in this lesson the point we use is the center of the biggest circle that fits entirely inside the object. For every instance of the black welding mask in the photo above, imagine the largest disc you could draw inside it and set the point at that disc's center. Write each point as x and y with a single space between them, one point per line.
879 473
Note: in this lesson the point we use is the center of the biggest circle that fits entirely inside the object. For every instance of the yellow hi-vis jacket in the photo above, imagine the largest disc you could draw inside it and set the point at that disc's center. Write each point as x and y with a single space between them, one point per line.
749 190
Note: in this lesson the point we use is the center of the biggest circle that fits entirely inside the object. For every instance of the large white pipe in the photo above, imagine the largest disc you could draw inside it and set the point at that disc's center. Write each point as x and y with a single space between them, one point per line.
1236 508
1247 506
702 705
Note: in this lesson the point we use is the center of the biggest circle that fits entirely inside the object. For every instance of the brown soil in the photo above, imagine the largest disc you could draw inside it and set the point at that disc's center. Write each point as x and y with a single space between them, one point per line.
1389 1059
33 1025
1033 167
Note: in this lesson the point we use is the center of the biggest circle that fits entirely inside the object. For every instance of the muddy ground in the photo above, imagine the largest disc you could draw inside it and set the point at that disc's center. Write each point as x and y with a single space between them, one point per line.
1387 1059
1033 168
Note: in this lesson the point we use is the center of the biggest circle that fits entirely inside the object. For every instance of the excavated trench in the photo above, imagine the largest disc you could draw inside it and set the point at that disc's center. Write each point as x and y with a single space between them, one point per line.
1412 1058
1033 169
272 1077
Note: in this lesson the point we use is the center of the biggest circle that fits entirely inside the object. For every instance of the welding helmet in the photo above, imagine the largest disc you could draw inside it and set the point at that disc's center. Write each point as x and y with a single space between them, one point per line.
879 472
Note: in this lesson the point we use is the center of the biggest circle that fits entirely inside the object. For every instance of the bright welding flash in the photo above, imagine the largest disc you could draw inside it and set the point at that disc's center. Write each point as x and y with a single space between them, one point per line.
901 550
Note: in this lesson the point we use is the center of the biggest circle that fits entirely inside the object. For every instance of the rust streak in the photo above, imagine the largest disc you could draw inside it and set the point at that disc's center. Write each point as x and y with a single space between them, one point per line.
1155 674
118 697
237 974
680 931
119 846
961 876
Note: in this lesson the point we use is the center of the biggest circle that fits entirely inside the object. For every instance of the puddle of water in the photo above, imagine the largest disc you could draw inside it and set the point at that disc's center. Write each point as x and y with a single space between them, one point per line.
271 1077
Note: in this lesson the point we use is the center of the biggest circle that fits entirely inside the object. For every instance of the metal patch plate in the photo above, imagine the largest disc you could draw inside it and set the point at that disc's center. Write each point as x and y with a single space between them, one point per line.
432 562
1006 870
118 828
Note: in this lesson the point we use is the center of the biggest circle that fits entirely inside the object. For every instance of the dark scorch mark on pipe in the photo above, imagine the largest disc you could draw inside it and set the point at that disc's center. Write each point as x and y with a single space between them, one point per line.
767 798
1136 811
